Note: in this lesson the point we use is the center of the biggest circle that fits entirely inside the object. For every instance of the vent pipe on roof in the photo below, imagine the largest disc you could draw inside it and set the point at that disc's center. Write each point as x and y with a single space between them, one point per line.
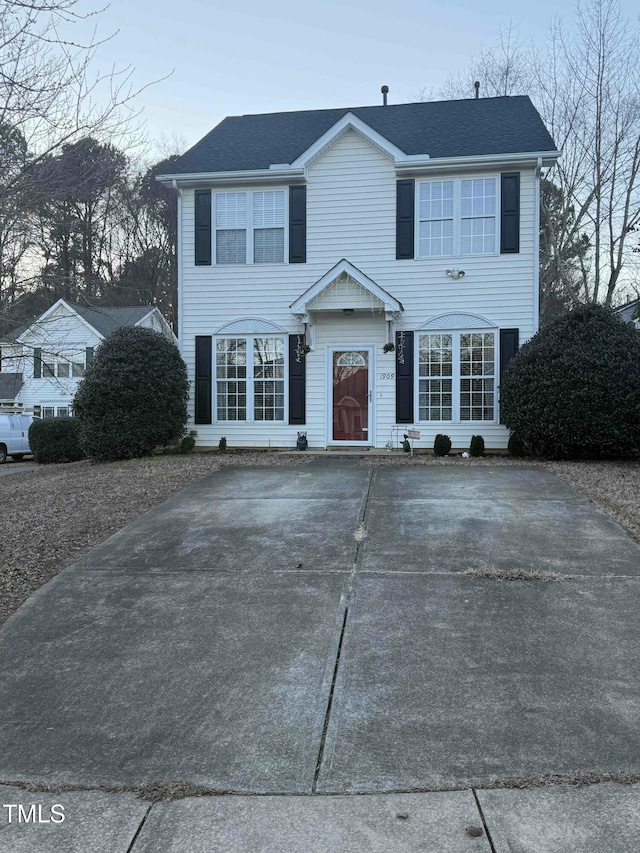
476 86
385 92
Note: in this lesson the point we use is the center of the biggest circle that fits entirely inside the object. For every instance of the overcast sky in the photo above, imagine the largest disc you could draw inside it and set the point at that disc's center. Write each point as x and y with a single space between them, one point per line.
251 57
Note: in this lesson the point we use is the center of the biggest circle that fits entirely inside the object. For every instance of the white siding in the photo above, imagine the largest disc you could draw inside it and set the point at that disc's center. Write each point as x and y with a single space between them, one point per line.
351 199
59 332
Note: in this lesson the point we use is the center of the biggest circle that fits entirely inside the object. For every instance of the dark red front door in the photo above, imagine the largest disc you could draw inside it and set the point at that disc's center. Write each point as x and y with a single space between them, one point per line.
351 395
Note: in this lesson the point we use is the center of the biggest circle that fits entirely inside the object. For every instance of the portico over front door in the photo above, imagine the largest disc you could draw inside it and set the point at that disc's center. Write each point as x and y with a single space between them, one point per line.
350 399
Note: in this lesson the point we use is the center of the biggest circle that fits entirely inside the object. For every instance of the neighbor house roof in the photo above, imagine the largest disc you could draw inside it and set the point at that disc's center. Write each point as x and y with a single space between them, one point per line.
10 385
106 320
630 311
466 128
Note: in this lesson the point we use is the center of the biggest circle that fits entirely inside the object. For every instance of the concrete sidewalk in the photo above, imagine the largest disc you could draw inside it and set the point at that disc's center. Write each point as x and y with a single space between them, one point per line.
291 632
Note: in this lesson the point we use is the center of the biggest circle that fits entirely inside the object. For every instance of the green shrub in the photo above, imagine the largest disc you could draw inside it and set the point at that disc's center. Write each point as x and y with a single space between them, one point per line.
476 448
55 440
222 444
187 444
441 445
516 445
133 397
574 389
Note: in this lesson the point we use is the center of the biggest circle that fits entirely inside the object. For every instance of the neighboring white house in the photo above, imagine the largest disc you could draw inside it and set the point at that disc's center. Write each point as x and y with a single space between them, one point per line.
47 359
398 243
630 312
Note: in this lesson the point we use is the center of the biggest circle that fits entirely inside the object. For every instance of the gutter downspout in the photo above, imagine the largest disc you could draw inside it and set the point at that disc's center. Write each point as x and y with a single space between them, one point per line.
175 186
536 249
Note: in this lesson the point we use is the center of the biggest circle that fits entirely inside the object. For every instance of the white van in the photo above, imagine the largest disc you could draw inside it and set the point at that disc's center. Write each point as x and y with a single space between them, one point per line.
14 435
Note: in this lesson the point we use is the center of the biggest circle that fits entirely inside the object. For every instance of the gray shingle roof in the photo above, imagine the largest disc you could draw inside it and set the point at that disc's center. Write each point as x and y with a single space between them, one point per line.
106 320
437 128
629 311
10 385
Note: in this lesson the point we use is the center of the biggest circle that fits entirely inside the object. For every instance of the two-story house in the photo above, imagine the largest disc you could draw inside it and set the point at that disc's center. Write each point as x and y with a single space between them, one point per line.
351 273
42 364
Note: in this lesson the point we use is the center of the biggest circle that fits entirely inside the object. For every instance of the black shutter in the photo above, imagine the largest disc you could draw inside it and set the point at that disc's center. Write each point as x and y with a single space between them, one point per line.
37 363
509 212
405 219
88 356
203 380
509 342
404 378
298 225
203 227
297 383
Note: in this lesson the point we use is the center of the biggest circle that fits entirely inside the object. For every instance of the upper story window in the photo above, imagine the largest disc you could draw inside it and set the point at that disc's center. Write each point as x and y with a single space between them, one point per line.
68 365
457 217
250 227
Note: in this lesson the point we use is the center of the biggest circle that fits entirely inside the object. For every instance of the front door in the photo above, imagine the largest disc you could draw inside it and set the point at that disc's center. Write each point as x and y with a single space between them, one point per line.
351 395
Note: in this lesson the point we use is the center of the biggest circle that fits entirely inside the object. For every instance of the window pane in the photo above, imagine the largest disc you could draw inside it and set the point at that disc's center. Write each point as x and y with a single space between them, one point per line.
231 210
436 237
77 369
63 412
436 200
477 366
268 386
231 247
435 361
268 209
478 208
63 368
268 246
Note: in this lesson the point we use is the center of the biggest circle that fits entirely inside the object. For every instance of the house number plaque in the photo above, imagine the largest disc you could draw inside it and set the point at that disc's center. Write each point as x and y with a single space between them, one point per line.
386 376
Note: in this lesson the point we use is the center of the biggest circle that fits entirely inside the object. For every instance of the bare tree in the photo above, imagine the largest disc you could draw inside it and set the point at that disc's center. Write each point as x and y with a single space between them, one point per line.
504 69
51 96
586 85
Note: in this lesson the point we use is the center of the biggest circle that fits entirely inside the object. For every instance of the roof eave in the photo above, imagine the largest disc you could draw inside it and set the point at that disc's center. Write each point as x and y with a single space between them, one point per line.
236 177
418 163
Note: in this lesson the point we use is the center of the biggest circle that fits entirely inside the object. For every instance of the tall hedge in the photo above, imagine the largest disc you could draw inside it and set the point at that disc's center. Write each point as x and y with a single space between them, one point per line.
133 396
573 390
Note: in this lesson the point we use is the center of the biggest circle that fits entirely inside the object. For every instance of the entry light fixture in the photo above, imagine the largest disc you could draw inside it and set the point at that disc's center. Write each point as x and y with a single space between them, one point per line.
455 273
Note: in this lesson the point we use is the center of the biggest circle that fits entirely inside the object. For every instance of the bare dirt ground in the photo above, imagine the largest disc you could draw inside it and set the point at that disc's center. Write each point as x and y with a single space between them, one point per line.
52 515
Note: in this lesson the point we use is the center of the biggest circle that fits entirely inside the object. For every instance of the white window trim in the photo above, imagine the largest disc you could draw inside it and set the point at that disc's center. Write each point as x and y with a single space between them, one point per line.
456 377
56 409
250 380
457 218
53 357
249 191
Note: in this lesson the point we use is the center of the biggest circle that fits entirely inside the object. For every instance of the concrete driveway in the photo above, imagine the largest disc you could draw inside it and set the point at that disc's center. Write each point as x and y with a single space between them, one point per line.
311 630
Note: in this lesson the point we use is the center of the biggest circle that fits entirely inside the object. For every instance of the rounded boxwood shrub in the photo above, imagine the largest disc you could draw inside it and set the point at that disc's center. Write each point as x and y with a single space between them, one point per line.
573 390
441 445
516 446
476 448
55 440
133 396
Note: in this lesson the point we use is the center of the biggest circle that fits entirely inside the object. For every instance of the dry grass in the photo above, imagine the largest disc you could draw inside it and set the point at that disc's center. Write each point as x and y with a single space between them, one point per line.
51 516
494 574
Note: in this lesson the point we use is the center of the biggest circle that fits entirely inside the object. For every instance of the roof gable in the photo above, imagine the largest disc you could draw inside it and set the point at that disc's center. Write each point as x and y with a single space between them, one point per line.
437 129
344 286
100 321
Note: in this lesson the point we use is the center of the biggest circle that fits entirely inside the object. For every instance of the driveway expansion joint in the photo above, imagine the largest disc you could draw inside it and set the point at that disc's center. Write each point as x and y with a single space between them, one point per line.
139 829
360 527
484 821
